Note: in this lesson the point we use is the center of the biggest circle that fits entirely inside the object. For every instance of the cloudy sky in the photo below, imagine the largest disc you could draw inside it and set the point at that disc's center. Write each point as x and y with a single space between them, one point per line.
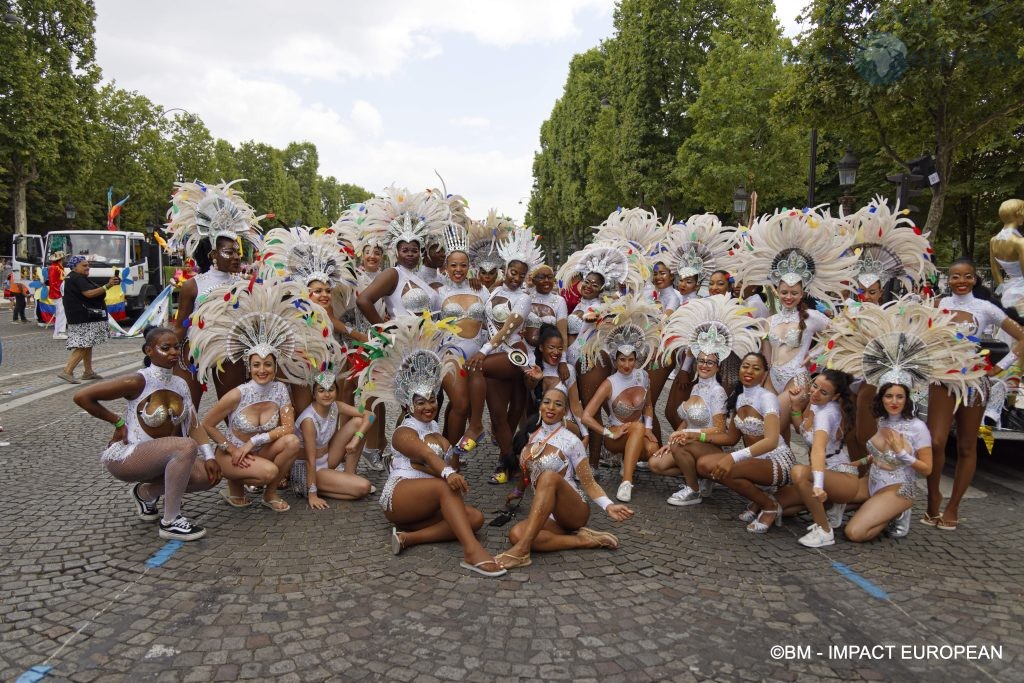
388 90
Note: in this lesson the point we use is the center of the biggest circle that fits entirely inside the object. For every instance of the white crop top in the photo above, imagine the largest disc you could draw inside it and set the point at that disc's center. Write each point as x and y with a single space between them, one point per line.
211 279
829 419
401 465
325 427
546 308
914 431
452 309
707 399
137 411
562 453
412 295
669 298
622 408
273 392
513 302
763 402
986 314
792 338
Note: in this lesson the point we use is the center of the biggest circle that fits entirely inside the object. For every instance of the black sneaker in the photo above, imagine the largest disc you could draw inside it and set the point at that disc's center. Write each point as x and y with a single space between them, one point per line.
145 509
181 530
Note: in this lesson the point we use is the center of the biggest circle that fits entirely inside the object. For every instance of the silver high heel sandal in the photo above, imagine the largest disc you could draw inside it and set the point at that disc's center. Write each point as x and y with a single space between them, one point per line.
759 527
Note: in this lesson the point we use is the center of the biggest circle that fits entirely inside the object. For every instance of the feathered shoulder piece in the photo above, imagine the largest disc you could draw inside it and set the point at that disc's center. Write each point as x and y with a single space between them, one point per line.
521 245
889 246
201 211
404 357
617 263
716 325
402 216
482 239
263 318
638 227
698 247
905 342
628 324
308 255
794 246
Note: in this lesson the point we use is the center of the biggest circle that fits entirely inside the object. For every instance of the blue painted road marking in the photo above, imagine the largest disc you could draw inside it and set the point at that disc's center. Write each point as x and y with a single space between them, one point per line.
856 578
164 554
36 673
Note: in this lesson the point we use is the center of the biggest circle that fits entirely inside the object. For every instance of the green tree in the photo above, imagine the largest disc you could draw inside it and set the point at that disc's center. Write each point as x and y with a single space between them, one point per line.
47 78
225 165
192 149
944 76
269 188
302 162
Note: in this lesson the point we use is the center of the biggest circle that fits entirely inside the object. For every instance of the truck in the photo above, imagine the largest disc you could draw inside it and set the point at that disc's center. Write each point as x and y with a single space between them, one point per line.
108 252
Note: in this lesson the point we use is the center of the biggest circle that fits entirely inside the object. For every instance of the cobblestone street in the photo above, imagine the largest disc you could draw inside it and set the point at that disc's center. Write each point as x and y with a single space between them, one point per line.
89 592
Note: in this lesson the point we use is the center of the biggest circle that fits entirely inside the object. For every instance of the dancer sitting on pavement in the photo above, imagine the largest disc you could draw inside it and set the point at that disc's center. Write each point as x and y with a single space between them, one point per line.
328 446
550 371
275 330
711 329
899 348
551 460
423 496
762 465
157 442
628 330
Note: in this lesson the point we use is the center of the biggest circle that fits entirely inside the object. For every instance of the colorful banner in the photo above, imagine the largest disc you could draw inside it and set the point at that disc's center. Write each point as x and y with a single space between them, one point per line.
157 313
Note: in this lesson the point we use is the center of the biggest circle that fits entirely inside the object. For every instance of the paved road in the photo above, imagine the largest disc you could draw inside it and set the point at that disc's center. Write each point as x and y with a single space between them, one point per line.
308 595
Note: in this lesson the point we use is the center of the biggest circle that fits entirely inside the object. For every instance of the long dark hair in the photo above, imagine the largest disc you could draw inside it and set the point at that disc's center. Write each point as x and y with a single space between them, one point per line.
878 407
737 389
842 381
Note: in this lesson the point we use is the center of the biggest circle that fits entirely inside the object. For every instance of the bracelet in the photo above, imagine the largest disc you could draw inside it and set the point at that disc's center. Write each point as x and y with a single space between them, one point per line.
607 433
818 477
119 423
795 413
360 435
486 348
223 446
260 440
648 422
207 450
447 472
603 501
703 437
312 488
741 454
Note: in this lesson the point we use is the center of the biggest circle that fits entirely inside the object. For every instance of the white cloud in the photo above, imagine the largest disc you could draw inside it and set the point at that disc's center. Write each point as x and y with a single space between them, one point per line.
366 117
470 121
786 11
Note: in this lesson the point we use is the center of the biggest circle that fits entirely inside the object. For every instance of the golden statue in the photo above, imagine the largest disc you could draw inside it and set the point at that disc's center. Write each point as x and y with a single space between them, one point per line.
1006 255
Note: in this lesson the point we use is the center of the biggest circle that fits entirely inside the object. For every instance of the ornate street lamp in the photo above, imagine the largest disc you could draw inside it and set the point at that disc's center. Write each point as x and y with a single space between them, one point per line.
740 202
848 166
69 213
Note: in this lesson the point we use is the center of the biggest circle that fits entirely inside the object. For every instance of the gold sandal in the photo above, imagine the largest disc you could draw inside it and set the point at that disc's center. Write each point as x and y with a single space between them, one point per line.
928 520
518 561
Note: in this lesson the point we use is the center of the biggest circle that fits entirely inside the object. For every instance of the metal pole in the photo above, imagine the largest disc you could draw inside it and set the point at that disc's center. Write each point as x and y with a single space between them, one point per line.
813 170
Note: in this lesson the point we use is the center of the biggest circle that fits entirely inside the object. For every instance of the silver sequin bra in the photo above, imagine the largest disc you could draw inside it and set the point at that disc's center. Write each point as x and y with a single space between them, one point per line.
761 400
253 393
700 413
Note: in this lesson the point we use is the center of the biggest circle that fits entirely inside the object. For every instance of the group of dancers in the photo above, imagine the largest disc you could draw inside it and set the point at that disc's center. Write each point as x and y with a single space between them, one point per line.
802 322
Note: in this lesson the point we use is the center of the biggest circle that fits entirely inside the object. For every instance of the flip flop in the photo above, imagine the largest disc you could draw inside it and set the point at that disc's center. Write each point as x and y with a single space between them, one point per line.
396 542
229 499
276 504
928 520
517 560
603 538
477 568
946 526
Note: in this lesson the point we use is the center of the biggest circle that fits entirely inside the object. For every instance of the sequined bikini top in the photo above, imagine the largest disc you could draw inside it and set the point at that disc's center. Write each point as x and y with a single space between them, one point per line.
160 416
252 393
790 338
416 300
452 309
761 400
161 379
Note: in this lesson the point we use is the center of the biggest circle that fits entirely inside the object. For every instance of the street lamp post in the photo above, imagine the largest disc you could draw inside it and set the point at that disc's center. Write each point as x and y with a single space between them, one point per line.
189 116
69 214
848 166
740 201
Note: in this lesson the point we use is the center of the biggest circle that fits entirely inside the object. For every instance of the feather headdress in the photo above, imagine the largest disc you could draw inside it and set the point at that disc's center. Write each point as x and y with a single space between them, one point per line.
483 238
200 211
797 247
638 227
889 246
617 264
716 325
521 245
627 324
405 357
308 255
236 321
905 342
402 216
698 247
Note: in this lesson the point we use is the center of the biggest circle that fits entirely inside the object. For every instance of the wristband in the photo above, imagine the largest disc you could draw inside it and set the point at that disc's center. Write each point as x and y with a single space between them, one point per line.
119 423
583 429
703 437
447 472
741 454
607 433
603 501
818 477
260 440
795 413
648 422
486 348
312 488
207 450
691 431
360 435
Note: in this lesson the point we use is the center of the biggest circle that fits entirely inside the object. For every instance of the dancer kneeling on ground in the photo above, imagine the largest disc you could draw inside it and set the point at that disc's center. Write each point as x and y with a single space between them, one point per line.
423 497
552 457
327 446
156 443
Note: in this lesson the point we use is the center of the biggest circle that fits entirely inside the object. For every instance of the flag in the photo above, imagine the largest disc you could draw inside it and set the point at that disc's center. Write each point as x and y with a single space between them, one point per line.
113 210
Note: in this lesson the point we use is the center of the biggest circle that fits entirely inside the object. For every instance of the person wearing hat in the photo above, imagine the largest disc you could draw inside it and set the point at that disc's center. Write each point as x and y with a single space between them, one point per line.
87 317
55 280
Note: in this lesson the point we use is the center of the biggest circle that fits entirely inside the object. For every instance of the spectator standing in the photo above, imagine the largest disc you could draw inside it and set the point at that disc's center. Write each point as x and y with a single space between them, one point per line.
87 318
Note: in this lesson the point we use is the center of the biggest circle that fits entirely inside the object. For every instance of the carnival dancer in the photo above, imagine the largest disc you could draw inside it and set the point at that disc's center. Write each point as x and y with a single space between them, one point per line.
213 217
423 496
552 459
275 331
627 330
710 331
550 371
157 442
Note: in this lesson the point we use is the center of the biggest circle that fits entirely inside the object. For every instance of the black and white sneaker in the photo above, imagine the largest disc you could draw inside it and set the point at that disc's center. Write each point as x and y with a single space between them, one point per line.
145 509
181 530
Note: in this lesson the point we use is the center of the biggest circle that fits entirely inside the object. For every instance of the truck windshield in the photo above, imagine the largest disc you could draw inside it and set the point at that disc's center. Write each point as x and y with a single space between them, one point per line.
103 251
27 249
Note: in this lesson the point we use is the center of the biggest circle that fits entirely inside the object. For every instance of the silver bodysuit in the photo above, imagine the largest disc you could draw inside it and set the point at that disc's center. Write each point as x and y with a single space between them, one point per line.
156 379
252 393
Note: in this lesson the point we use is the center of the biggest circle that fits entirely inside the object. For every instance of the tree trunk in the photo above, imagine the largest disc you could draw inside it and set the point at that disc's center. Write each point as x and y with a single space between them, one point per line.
943 165
22 177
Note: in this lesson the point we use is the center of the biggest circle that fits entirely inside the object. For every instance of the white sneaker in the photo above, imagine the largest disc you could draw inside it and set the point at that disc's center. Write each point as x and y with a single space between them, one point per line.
684 496
835 515
817 538
625 492
706 486
900 527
